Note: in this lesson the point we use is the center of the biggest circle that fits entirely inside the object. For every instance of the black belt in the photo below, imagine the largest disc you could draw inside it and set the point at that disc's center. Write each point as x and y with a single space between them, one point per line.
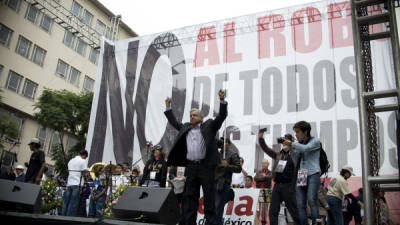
195 162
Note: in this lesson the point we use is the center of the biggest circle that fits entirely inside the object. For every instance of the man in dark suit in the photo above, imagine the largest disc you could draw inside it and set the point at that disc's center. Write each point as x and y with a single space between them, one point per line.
195 148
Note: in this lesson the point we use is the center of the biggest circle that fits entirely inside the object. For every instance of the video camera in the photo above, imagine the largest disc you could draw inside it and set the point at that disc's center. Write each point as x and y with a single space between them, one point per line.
280 140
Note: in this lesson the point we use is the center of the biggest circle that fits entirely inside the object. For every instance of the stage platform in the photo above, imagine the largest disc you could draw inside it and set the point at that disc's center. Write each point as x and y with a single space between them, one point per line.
40 219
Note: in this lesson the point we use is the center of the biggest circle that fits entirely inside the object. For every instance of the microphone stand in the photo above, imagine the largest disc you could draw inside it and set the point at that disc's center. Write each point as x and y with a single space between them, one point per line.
134 164
79 194
109 185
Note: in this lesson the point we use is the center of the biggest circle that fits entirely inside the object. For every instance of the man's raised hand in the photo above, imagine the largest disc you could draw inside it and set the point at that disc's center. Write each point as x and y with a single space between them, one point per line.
221 94
168 102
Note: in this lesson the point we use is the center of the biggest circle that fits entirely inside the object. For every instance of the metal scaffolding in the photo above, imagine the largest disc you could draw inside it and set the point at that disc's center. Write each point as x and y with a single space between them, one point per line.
115 27
67 20
362 20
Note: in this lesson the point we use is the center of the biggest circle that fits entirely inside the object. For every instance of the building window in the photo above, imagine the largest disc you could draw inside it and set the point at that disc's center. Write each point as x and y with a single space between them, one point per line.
54 141
76 9
14 4
9 158
108 32
19 121
81 47
1 70
94 55
46 23
100 27
69 39
14 81
42 136
88 84
23 46
87 18
74 75
32 13
62 68
5 35
38 55
29 89
71 142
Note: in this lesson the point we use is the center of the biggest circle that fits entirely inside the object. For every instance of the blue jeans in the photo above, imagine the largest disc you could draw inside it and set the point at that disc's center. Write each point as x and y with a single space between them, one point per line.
221 198
70 201
335 214
96 207
308 195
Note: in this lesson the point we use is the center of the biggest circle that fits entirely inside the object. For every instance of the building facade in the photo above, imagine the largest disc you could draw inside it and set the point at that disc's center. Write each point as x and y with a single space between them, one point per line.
48 44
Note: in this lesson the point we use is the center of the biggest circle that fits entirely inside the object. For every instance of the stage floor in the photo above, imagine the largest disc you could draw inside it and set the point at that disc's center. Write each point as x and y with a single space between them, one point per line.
27 218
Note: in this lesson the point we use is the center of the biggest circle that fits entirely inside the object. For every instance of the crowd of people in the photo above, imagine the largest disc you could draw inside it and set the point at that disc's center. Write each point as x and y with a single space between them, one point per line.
291 186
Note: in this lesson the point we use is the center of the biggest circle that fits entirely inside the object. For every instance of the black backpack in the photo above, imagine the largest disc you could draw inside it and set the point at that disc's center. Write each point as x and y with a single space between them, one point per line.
323 161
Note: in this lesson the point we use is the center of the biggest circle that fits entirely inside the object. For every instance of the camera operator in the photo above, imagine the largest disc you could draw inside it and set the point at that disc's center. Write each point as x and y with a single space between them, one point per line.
284 175
306 151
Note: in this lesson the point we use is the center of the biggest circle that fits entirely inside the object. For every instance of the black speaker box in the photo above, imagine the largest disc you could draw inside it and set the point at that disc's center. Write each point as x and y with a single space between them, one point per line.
152 205
20 197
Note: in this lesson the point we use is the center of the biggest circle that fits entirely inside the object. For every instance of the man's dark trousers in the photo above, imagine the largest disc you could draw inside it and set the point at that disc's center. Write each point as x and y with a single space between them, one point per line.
196 175
283 192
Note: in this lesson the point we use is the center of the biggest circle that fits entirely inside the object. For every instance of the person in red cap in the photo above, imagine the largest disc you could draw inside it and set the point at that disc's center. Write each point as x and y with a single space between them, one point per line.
37 163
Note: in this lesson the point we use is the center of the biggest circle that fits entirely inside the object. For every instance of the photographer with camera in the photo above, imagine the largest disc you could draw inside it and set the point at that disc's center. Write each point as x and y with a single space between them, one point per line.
306 151
284 175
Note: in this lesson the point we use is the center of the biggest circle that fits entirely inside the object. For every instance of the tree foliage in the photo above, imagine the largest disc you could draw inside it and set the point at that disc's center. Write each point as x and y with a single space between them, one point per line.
8 127
65 112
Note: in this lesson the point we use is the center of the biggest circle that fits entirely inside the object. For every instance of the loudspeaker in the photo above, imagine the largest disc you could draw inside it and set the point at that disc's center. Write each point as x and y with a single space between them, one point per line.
20 197
152 205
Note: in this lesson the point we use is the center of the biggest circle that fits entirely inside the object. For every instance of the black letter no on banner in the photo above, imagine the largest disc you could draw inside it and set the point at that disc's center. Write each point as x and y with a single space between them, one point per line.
123 131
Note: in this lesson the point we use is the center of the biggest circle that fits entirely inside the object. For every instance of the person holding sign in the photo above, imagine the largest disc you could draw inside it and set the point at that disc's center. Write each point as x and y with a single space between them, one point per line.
177 179
195 147
306 151
263 180
284 175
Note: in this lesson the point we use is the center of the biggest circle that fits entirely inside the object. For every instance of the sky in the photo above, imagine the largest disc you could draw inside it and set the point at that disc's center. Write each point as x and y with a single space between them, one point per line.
154 16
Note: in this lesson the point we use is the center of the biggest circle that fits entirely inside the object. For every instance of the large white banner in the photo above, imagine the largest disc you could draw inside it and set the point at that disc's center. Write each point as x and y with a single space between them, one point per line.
278 67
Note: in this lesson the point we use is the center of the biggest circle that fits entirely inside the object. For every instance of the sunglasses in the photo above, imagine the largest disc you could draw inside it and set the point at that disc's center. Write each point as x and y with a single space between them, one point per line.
157 147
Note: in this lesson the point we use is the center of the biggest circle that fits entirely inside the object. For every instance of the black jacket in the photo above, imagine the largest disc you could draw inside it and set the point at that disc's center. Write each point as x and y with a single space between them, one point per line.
161 171
224 174
289 174
209 128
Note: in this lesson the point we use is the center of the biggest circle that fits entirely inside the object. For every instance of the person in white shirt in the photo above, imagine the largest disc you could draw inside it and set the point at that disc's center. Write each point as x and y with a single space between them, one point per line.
238 179
118 178
75 168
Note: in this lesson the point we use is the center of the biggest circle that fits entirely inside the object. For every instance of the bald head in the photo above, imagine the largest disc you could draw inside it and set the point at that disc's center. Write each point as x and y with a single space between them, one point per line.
265 164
